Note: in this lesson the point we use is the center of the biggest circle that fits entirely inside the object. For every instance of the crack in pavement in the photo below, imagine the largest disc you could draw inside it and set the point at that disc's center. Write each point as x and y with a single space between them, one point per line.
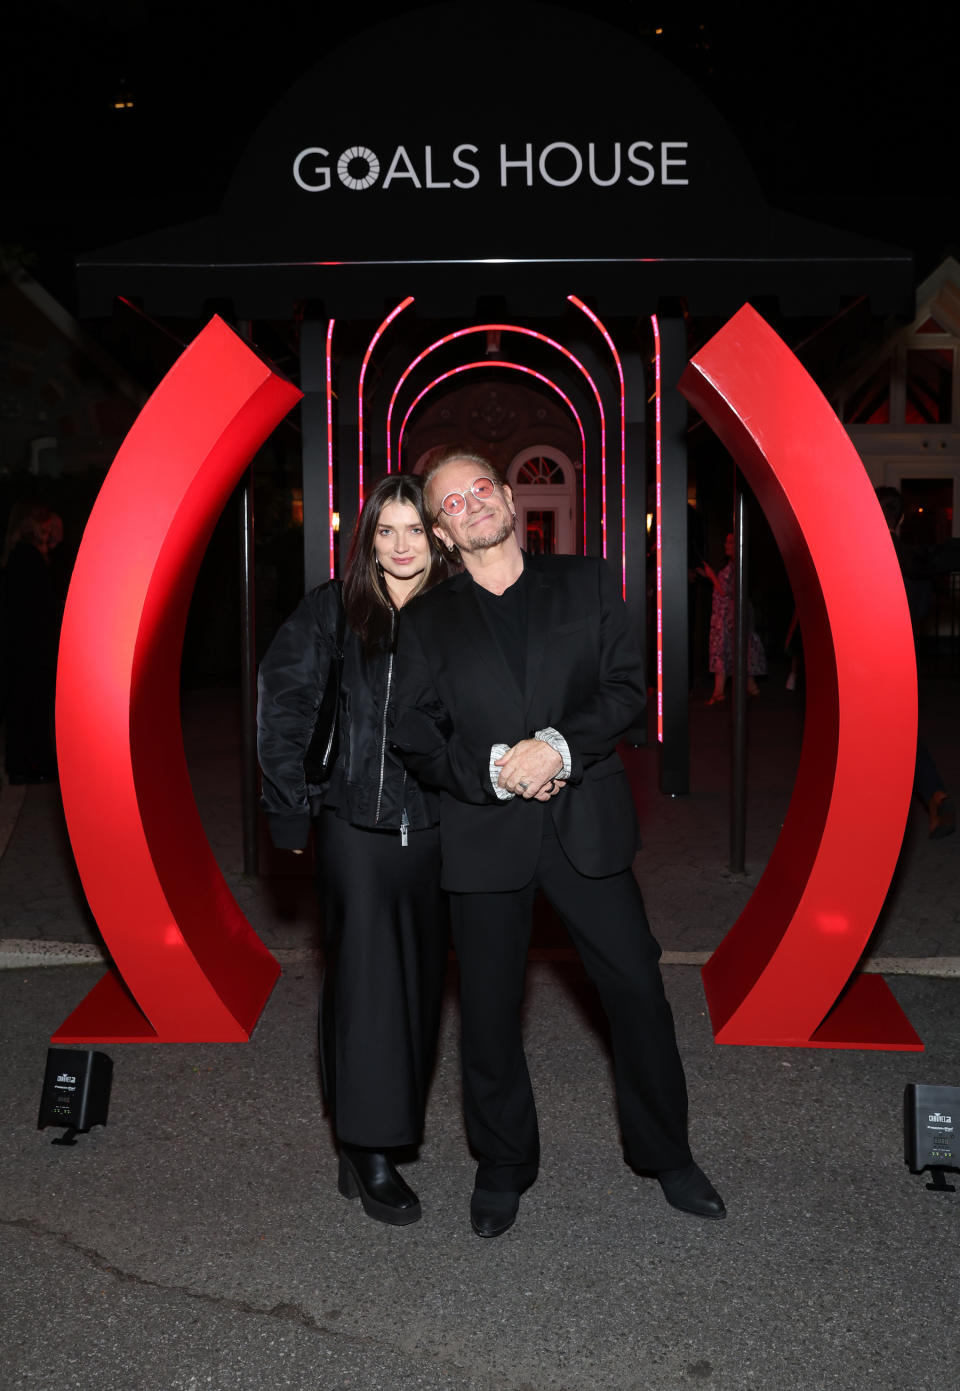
284 1310
287 1311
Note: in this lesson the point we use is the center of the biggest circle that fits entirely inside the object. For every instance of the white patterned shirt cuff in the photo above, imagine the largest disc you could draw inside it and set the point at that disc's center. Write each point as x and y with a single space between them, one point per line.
555 739
497 751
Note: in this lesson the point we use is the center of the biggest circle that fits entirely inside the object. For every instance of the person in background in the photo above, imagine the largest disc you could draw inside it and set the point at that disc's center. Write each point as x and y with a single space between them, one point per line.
721 631
918 565
385 919
32 610
793 647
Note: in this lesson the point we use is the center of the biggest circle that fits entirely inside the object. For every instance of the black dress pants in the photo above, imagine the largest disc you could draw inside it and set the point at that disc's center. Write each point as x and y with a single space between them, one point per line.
608 925
385 954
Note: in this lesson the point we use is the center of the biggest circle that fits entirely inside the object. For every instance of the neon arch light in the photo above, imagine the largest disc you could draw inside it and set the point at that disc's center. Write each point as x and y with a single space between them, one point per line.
623 434
404 303
541 337
659 479
330 531
510 367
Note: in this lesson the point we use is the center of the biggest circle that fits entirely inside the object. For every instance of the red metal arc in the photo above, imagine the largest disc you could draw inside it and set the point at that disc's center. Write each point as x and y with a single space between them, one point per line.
781 974
188 967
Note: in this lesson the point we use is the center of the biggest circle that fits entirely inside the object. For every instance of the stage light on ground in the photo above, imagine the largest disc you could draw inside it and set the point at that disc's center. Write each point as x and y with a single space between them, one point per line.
931 1120
76 1091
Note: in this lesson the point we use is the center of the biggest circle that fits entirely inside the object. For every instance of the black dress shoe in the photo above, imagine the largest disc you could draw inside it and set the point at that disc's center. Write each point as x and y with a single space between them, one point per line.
492 1214
690 1190
370 1176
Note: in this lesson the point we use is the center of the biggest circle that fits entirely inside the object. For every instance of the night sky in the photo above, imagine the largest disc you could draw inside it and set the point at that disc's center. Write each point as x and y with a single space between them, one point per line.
847 114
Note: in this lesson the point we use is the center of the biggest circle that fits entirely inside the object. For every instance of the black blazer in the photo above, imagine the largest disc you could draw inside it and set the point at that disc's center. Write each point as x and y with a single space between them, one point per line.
456 696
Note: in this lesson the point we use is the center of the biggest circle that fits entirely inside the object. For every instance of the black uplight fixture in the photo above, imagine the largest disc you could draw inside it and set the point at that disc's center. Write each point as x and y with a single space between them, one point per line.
76 1091
931 1132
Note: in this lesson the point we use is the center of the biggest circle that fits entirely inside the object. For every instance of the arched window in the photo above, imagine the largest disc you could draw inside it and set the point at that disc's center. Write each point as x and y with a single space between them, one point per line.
540 469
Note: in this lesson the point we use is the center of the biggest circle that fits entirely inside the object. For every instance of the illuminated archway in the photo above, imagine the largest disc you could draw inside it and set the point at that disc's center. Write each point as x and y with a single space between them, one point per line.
550 342
506 366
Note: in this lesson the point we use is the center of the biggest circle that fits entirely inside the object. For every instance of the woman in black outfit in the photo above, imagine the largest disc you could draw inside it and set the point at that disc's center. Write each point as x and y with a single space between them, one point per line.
385 921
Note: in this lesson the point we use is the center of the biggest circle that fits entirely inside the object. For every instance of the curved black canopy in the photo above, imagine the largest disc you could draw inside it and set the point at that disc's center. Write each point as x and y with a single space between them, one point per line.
511 149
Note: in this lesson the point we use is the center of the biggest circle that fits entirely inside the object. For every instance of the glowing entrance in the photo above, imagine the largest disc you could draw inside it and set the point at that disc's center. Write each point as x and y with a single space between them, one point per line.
544 491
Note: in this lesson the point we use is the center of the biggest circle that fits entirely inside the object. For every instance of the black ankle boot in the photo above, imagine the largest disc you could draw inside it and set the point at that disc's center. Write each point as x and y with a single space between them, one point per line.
690 1190
372 1177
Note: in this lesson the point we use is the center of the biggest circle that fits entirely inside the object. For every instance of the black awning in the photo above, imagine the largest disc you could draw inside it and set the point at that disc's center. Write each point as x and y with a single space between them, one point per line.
390 169
810 269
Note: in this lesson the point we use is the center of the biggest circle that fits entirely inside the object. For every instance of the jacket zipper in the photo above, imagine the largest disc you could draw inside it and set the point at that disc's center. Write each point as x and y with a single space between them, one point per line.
386 707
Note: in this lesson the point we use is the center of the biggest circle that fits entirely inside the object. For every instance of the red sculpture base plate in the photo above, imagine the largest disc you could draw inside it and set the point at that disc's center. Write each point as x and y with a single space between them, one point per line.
109 1014
867 1015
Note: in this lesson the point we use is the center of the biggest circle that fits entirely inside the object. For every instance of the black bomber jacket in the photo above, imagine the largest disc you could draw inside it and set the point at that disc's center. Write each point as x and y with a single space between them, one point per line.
369 786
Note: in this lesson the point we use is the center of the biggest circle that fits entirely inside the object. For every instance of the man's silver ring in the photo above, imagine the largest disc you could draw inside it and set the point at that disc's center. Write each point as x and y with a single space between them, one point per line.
523 786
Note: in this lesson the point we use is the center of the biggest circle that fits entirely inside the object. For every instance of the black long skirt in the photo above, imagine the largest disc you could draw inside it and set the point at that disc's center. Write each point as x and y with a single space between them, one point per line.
385 951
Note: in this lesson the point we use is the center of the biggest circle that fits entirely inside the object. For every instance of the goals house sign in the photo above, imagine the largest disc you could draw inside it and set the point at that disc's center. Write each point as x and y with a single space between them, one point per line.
559 164
409 143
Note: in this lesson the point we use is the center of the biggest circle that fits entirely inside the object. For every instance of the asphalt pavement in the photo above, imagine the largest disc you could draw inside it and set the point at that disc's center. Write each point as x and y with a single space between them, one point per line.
198 1240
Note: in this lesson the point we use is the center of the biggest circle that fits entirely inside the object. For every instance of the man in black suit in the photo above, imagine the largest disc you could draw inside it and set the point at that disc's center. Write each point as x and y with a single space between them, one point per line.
516 678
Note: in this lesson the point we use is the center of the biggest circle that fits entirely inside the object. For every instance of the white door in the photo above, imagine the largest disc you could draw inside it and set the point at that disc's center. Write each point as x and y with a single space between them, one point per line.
543 482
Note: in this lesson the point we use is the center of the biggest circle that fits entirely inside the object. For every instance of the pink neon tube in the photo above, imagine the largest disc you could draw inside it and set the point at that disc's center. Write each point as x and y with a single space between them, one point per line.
623 434
363 372
330 530
659 478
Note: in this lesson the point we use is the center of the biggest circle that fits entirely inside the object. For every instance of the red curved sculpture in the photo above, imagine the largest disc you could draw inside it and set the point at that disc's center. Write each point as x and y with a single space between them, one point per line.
777 974
188 967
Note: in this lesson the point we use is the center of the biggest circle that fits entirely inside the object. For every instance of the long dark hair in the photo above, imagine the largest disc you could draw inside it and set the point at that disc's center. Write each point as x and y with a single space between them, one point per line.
365 597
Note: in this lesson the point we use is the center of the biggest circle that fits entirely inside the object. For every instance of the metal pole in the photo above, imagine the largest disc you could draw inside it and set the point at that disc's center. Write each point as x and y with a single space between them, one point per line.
250 787
313 444
738 772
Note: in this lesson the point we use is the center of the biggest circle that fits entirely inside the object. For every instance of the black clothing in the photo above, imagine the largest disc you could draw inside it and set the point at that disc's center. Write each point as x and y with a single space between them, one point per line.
457 695
385 920
370 786
920 564
31 630
506 615
385 947
608 926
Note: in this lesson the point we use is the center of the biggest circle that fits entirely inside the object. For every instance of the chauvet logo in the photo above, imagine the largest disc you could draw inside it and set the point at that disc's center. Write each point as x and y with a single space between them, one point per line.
65 1077
558 164
944 1120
